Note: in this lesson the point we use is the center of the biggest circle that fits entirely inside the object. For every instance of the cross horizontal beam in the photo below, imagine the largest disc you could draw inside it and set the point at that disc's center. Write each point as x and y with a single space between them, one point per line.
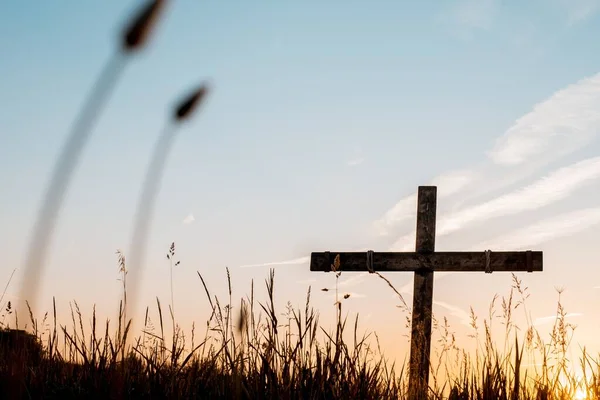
455 261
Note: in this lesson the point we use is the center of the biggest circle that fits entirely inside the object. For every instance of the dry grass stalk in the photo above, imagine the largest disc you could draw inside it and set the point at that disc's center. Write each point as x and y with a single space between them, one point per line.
151 187
135 36
288 354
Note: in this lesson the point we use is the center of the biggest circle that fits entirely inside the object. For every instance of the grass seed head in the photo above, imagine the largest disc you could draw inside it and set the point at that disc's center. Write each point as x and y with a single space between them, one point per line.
140 27
187 107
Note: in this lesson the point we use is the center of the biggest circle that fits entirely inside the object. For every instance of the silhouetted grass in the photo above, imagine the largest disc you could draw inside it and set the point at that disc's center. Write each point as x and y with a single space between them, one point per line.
263 353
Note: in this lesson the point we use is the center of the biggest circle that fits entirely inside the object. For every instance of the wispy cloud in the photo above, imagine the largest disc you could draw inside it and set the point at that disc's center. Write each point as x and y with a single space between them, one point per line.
448 184
578 10
557 126
453 182
189 219
400 212
552 228
355 161
404 243
547 229
561 124
551 188
462 315
295 261
551 318
569 119
479 14
353 280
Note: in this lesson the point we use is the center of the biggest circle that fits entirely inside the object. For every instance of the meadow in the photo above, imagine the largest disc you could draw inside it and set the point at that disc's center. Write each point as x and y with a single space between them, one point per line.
251 349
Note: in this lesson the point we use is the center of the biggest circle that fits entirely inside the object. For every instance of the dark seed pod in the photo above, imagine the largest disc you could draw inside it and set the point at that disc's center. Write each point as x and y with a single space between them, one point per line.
137 32
190 103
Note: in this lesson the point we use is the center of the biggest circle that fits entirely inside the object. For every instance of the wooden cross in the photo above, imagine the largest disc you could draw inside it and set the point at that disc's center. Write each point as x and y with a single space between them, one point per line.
423 262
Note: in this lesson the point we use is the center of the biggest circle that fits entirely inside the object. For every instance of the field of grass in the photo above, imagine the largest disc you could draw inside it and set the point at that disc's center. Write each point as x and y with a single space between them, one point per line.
249 349
260 352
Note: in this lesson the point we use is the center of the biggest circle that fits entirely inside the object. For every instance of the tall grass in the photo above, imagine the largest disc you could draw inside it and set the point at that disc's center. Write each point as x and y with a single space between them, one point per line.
261 352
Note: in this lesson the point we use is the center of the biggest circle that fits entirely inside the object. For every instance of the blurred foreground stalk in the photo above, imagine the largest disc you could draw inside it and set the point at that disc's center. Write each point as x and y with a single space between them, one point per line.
151 188
134 37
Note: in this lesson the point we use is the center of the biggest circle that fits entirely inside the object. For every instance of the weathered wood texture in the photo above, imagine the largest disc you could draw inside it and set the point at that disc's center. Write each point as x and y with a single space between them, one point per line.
424 262
448 261
420 345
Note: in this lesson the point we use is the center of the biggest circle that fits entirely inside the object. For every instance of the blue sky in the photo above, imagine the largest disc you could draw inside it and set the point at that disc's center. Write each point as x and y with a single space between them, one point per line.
322 122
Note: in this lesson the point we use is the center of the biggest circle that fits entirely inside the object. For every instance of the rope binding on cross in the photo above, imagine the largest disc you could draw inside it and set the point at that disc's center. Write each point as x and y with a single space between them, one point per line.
488 263
370 261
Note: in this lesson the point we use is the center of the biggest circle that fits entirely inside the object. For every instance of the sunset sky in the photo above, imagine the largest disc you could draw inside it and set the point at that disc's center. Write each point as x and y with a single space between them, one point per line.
324 118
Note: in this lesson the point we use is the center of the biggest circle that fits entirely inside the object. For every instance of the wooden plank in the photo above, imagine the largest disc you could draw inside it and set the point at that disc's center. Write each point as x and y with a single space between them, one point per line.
423 262
420 343
449 261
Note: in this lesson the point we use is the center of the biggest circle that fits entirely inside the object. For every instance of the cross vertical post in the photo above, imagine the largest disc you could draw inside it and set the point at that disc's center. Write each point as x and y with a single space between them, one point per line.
420 342
423 262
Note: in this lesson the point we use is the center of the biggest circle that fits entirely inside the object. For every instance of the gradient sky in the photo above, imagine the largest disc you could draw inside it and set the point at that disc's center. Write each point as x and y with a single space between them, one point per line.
323 120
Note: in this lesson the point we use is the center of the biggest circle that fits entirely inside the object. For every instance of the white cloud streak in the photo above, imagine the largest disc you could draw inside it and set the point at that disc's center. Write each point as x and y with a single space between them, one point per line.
564 122
552 188
358 157
447 184
400 212
578 10
462 315
453 182
567 120
353 280
552 318
189 219
306 281
295 261
552 228
356 161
